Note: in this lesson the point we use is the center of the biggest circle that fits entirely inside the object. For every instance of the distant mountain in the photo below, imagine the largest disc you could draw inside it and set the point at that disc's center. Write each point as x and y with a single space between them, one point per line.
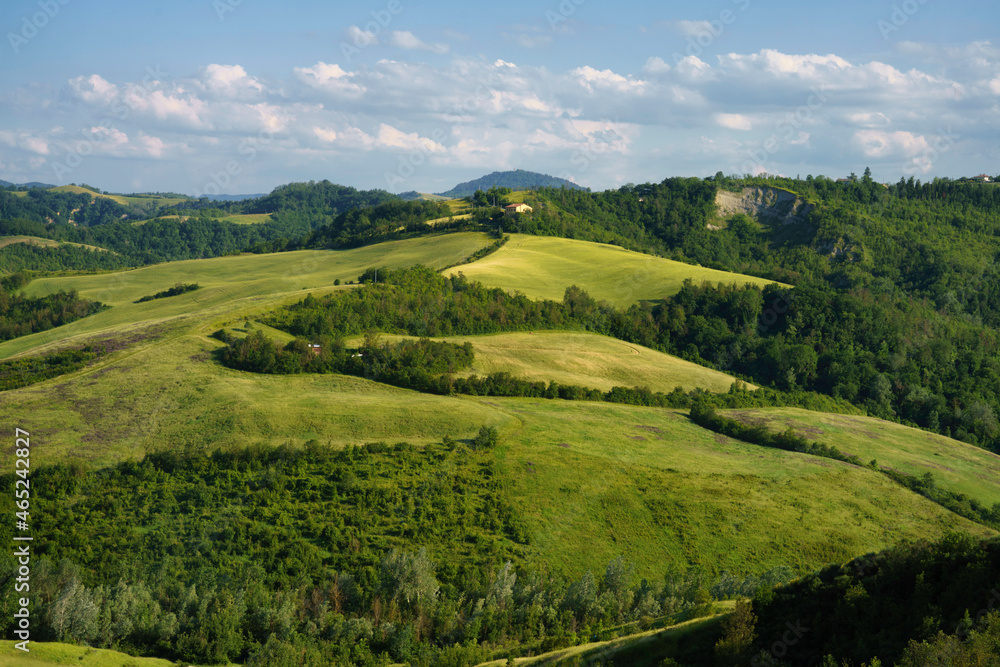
515 180
233 197
33 184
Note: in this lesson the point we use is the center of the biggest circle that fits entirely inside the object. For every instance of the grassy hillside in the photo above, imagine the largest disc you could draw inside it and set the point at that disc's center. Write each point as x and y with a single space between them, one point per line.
47 654
45 243
125 200
592 480
232 282
584 359
587 482
248 218
598 480
543 267
956 466
638 649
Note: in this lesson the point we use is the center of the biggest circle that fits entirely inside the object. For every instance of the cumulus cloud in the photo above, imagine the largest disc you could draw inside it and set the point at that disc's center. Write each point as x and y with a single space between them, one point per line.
230 80
328 77
93 89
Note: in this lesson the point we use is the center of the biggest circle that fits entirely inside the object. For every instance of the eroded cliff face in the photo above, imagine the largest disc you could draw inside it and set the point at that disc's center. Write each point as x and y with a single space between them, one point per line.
764 204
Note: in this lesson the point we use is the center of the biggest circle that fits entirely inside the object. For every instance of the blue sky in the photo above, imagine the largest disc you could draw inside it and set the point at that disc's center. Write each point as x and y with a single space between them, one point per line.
238 96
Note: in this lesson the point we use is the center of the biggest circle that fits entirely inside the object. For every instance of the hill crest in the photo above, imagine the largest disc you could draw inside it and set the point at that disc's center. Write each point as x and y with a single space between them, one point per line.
518 179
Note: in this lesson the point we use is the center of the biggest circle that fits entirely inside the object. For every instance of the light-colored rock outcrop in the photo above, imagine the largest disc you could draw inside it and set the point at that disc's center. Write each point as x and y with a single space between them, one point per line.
763 203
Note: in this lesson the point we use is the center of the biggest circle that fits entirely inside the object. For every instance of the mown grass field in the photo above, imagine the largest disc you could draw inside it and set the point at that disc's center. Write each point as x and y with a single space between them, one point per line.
543 267
956 466
584 359
44 654
20 193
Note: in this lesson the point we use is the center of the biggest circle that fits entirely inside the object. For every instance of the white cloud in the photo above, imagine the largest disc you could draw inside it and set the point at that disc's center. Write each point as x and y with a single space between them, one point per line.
152 146
329 77
26 141
656 65
532 41
869 119
390 137
491 113
404 39
361 38
93 89
592 78
329 136
733 121
695 28
230 80
777 63
879 144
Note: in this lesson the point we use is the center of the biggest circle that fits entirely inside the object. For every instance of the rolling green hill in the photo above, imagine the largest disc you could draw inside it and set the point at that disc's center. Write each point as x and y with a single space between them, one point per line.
594 480
585 482
124 200
543 267
956 466
45 243
582 359
232 283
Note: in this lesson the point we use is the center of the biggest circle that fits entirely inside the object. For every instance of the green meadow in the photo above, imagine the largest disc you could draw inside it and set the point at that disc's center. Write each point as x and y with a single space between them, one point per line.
543 267
45 243
581 358
595 480
956 466
248 218
44 654
230 286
